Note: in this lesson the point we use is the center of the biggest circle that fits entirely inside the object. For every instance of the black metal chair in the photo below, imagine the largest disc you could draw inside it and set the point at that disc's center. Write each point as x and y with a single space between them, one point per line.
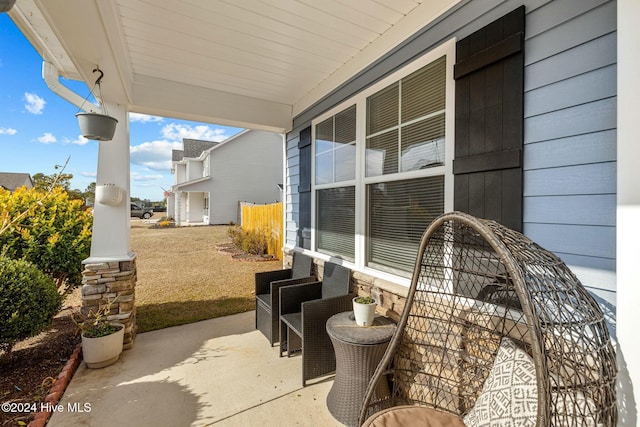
268 284
304 311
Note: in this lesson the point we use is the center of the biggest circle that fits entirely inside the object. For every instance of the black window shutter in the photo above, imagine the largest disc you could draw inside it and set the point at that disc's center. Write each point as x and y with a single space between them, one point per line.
487 167
304 189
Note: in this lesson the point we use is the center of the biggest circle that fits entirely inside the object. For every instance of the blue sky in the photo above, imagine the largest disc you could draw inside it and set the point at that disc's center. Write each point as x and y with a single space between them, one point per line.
39 130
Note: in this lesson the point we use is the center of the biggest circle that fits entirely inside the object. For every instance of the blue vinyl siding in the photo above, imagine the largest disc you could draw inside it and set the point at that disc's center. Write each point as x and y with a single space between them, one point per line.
570 137
291 189
570 122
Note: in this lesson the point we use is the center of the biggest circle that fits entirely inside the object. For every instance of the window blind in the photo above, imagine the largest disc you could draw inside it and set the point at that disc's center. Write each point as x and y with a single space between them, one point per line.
335 221
405 122
398 214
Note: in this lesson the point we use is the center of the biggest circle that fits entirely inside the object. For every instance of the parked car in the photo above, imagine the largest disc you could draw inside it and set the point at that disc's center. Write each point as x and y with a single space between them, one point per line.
159 208
140 212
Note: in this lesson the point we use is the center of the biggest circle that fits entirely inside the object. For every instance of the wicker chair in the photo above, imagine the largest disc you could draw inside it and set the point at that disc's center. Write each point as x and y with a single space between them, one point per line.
304 311
268 284
481 293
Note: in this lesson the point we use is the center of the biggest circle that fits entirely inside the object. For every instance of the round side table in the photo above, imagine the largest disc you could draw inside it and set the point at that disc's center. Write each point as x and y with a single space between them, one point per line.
358 351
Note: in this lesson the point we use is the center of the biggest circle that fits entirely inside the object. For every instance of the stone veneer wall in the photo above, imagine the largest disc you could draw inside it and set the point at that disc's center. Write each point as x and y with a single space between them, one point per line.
393 295
112 281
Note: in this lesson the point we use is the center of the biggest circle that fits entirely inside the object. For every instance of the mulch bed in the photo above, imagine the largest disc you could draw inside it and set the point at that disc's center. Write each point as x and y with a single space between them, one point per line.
238 255
37 371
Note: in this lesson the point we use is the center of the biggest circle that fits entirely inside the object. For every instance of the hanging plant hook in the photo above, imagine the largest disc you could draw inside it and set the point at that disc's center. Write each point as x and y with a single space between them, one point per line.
99 126
97 69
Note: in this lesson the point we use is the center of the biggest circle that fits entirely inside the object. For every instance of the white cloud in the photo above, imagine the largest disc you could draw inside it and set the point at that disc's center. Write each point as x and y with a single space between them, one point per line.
8 131
144 118
156 155
80 140
33 103
89 174
177 132
47 138
139 177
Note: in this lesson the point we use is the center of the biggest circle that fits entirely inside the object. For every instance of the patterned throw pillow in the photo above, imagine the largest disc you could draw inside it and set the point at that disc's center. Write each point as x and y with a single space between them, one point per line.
509 396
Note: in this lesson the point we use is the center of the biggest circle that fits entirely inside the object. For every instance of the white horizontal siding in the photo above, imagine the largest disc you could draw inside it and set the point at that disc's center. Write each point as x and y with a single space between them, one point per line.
246 169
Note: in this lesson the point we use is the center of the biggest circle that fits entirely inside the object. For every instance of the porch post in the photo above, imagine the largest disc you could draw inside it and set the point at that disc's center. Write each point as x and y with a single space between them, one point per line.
628 213
110 271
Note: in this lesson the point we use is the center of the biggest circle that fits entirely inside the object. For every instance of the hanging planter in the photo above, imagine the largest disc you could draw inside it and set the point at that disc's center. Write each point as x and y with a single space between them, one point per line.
99 127
6 5
96 126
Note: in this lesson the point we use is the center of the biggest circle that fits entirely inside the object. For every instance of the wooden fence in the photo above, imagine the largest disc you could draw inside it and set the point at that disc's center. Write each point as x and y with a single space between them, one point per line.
270 220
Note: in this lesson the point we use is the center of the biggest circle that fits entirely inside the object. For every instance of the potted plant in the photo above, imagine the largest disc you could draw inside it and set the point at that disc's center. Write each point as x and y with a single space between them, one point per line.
364 308
101 339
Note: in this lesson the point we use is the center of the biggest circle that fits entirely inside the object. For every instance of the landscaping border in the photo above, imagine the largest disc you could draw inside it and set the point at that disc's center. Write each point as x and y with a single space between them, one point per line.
59 386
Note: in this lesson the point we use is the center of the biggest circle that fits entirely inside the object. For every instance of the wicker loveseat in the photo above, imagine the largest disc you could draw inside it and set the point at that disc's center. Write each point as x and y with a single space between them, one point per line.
495 331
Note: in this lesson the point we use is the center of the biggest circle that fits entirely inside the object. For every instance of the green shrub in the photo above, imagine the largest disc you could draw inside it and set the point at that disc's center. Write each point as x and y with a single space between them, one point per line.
251 242
236 234
28 301
254 243
48 229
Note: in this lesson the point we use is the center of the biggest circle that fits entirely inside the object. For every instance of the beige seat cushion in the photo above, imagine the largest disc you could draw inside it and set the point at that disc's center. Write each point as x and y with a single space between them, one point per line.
413 416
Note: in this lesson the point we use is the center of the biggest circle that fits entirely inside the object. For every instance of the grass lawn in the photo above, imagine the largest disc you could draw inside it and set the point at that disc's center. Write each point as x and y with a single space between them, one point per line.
182 278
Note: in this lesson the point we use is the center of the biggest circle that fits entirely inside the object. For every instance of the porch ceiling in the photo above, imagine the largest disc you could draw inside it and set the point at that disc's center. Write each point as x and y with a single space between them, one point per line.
248 63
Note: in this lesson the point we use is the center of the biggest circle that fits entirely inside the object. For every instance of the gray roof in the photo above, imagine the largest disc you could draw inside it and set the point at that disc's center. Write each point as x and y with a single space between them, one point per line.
10 180
177 155
194 147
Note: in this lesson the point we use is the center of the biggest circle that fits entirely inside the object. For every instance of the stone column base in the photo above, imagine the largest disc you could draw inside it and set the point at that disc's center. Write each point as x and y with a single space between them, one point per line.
113 281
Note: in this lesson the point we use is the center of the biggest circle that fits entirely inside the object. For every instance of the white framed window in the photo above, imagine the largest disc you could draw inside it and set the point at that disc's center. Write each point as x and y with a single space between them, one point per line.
334 180
382 166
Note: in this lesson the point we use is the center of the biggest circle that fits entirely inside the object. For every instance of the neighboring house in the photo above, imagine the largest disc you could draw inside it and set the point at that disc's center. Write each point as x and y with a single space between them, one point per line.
10 180
212 178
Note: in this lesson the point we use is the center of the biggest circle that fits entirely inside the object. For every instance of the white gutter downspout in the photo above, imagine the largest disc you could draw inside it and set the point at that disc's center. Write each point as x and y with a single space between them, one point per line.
51 76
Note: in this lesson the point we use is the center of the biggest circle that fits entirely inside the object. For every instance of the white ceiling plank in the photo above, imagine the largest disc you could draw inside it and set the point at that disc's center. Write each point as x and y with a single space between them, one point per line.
301 62
299 18
403 7
225 82
209 106
227 56
362 13
162 24
111 19
406 27
267 71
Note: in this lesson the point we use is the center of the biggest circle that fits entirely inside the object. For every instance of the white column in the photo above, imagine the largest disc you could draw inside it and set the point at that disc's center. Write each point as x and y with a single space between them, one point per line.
111 239
628 213
179 202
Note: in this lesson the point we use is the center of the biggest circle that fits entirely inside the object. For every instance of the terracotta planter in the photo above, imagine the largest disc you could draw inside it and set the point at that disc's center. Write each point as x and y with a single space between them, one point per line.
364 313
97 126
103 351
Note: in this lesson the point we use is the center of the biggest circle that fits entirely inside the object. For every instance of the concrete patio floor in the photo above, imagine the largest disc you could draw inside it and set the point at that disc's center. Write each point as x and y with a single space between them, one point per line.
219 372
